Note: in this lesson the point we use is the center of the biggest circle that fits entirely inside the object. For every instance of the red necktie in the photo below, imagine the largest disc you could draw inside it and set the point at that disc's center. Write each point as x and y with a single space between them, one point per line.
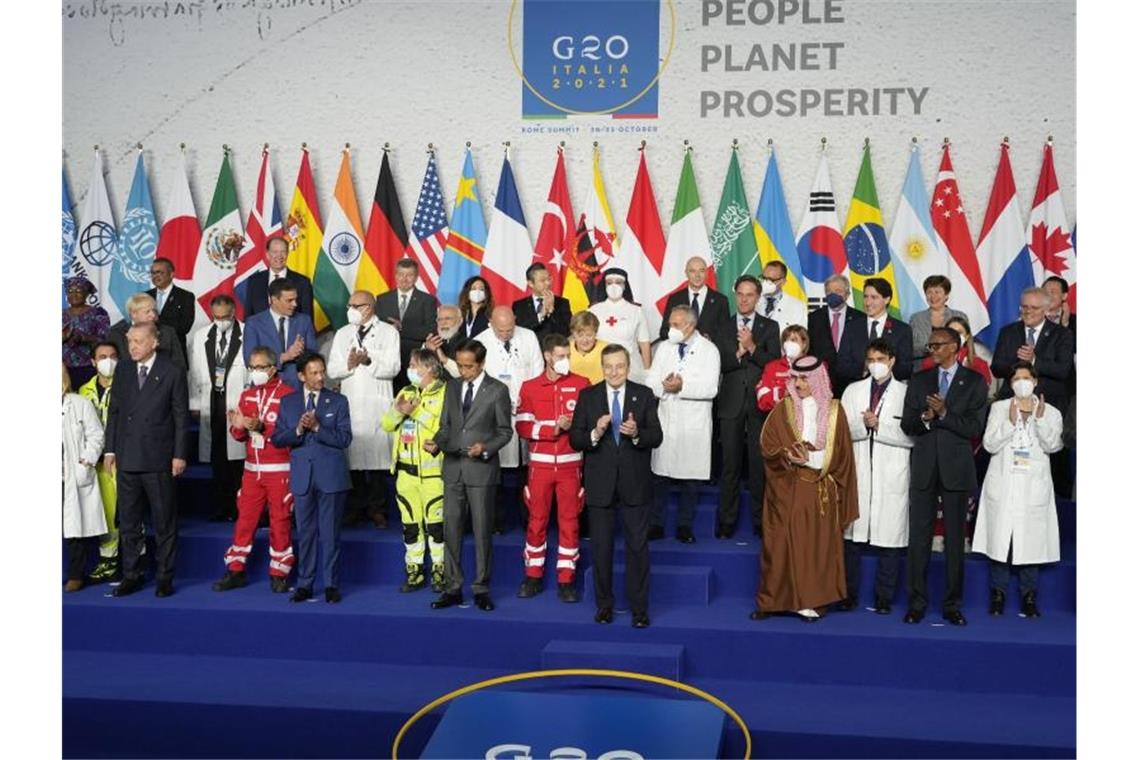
835 329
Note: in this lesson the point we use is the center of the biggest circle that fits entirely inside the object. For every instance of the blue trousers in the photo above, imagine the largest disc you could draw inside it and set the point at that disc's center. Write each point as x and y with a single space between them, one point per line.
319 516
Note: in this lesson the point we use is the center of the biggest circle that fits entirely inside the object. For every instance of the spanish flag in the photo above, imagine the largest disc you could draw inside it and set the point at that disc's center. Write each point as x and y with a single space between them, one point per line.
868 252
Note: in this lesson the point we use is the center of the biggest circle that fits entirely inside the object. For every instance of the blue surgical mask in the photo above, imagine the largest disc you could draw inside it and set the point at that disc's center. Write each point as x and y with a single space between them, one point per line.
834 300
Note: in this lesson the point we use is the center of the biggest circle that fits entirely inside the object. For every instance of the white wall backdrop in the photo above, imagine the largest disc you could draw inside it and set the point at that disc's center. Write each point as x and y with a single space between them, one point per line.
326 72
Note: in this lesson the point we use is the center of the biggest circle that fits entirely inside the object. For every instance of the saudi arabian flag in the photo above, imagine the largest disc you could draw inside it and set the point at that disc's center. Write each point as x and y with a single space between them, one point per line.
688 236
733 241
342 250
868 252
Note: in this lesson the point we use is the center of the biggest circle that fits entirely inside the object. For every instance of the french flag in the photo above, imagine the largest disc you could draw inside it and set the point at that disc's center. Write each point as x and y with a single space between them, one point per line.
1006 268
509 251
1047 234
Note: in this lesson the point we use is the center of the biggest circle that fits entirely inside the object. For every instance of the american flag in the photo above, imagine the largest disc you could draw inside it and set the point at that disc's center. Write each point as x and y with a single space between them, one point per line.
429 229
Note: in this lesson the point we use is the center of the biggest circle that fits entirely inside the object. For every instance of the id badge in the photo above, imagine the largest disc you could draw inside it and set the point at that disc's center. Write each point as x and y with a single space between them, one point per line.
1021 460
408 433
257 440
505 377
219 377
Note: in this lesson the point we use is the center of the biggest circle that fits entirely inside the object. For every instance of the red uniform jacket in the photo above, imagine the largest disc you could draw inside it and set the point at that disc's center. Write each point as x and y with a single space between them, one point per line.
263 402
541 402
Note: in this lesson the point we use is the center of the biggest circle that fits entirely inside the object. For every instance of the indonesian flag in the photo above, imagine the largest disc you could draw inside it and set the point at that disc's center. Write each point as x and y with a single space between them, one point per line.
643 247
948 215
556 235
221 245
180 236
1047 233
508 251
688 236
387 237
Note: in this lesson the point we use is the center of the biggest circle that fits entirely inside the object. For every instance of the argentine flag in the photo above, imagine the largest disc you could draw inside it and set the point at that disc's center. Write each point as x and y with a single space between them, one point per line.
914 243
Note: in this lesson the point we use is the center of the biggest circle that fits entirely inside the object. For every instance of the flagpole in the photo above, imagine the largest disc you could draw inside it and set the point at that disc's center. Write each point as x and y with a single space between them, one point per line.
823 145
642 148
688 148
506 150
386 148
431 149
914 144
771 146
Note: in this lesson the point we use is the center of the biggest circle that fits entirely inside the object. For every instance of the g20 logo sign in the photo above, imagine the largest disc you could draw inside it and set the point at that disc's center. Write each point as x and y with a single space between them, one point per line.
523 752
590 57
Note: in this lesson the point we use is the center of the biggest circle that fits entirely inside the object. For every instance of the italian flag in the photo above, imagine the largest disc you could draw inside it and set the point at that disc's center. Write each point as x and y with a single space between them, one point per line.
688 236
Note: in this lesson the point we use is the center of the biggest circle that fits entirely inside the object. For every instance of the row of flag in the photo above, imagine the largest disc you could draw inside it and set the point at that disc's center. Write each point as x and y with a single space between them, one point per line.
931 235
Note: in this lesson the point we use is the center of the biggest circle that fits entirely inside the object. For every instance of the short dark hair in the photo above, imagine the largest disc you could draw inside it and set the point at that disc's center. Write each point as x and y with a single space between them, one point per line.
269 241
782 266
163 260
746 278
281 285
881 346
308 358
615 348
265 351
537 266
881 286
936 281
946 332
1021 364
553 341
472 346
221 299
1060 281
101 344
408 263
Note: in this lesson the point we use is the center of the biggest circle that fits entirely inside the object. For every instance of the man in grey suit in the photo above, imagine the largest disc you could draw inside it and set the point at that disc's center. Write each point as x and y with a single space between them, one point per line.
476 423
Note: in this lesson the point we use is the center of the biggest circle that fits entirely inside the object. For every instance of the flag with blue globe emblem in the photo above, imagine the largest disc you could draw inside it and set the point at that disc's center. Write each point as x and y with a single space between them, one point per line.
98 240
68 238
138 240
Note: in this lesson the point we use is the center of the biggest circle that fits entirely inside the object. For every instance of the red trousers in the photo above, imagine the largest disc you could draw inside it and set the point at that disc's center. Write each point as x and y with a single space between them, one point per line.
544 483
257 488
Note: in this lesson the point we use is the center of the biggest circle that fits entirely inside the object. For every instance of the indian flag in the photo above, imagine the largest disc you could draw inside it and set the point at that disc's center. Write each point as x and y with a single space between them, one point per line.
303 230
342 252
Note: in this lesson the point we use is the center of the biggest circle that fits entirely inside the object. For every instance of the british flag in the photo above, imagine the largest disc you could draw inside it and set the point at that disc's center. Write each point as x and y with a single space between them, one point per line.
429 229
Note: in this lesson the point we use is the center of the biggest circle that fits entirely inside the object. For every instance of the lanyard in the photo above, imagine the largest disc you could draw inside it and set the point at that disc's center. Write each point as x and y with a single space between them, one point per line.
262 408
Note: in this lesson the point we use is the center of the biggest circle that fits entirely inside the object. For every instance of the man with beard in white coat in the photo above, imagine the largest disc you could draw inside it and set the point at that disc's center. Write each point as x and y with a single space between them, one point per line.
685 376
1017 515
513 357
874 407
364 357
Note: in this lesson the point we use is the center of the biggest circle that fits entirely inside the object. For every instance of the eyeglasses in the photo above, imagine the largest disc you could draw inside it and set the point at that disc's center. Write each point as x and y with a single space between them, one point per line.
261 366
933 345
357 305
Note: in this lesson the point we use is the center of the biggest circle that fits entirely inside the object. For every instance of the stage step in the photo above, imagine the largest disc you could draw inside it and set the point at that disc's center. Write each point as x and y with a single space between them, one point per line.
665 660
685 584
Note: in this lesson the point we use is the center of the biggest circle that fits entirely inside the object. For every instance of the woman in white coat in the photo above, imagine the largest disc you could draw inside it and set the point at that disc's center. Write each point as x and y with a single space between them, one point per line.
82 505
874 408
1017 517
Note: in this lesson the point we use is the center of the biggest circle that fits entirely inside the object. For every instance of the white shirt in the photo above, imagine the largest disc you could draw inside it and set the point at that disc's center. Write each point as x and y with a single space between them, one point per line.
161 296
149 363
842 320
277 320
610 391
478 381
701 295
278 275
815 458
1036 333
751 320
538 301
879 320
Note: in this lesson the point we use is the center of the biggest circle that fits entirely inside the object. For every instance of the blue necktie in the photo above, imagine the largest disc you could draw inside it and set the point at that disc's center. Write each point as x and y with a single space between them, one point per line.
615 419
311 405
681 350
944 383
468 398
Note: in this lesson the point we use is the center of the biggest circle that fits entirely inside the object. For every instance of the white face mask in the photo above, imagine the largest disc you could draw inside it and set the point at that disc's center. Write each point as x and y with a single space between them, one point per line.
792 350
675 335
354 316
562 366
477 296
106 366
614 291
414 376
878 370
259 377
1023 387
767 287
223 325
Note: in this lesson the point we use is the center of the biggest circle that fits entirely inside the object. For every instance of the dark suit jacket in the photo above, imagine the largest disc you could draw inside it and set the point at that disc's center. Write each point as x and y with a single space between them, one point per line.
617 471
480 324
842 366
316 460
894 331
1053 360
488 422
558 321
418 321
257 292
148 427
179 311
710 322
260 330
944 449
168 342
739 377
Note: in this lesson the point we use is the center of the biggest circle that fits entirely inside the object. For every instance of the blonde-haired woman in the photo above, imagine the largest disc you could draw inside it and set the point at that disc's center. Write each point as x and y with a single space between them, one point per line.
82 505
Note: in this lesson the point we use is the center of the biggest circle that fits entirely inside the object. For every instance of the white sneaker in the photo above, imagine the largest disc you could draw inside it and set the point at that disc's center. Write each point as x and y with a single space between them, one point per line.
808 613
937 544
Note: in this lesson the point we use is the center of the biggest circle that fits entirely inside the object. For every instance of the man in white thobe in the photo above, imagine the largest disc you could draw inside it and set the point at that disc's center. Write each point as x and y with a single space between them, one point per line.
364 357
685 376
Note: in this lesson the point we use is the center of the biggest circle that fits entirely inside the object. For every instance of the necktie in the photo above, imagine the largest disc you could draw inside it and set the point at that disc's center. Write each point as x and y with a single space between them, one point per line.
538 308
747 321
361 333
468 397
943 382
403 304
874 329
681 350
311 404
770 305
161 301
835 329
281 331
142 376
615 418
1032 337
507 346
696 306
222 349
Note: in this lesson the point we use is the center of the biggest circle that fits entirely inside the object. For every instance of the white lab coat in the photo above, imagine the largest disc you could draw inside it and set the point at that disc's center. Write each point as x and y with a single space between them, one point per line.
686 416
82 439
368 389
200 383
882 466
1017 504
524 362
624 323
788 311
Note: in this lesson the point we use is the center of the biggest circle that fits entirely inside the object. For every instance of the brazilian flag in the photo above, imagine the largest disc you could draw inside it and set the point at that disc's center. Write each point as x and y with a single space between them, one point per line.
868 252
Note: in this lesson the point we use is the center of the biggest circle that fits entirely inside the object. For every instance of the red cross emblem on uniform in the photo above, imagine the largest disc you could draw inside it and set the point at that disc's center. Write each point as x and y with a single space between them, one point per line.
611 321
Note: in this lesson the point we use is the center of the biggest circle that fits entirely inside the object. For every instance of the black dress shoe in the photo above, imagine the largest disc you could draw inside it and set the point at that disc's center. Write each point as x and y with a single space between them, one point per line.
447 599
914 617
231 580
997 601
656 533
685 535
332 595
724 531
954 617
530 587
848 604
757 614
641 620
483 602
301 595
604 615
1029 605
882 606
127 587
567 593
278 584
164 589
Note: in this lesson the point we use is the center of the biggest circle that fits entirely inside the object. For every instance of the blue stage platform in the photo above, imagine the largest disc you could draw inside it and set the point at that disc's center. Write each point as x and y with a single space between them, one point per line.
248 674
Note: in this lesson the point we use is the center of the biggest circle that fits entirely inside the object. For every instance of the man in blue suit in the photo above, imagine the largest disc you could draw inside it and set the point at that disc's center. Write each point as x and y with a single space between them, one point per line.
283 328
315 426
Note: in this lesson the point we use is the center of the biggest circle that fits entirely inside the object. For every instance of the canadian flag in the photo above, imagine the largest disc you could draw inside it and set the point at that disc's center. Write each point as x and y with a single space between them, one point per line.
1047 234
